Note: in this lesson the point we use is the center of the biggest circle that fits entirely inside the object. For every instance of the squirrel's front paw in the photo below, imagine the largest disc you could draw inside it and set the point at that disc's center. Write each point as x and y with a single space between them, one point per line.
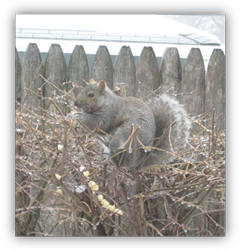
75 115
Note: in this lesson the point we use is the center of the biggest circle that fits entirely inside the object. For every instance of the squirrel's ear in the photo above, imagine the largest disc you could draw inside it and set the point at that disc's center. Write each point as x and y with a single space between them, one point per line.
102 84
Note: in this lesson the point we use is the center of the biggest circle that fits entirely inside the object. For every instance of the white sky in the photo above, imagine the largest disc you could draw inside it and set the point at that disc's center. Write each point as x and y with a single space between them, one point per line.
131 24
127 24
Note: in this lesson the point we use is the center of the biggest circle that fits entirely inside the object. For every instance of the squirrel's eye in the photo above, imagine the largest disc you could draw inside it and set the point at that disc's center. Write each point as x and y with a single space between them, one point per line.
91 94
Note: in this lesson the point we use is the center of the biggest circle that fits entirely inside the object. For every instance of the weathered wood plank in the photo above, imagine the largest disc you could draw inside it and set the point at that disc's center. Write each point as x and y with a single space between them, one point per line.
102 68
78 68
55 71
215 85
32 67
147 72
125 71
193 83
170 71
17 78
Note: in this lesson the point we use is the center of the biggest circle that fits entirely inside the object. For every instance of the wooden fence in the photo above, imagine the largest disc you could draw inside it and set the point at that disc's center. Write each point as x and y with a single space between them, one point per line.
198 90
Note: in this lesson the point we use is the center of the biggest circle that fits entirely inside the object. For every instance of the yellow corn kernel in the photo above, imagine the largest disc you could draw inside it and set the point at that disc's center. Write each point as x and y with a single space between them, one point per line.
100 197
112 208
104 202
86 174
95 187
58 176
59 191
107 206
91 184
118 211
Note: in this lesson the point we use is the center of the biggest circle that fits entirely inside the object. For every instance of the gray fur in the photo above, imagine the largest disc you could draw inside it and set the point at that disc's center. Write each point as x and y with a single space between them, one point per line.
115 115
172 126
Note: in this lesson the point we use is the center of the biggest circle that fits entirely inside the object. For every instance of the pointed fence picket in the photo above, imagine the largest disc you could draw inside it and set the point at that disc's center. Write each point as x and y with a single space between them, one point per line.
215 90
125 71
147 72
171 72
78 69
102 68
31 80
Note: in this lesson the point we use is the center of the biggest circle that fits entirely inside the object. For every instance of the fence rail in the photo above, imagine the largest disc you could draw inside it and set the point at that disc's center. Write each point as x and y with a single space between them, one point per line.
198 90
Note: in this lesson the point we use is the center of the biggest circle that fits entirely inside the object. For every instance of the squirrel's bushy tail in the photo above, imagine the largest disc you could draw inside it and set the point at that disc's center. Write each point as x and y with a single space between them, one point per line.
172 129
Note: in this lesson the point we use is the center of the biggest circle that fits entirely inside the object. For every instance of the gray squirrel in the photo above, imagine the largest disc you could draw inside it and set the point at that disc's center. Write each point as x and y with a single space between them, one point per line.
139 134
